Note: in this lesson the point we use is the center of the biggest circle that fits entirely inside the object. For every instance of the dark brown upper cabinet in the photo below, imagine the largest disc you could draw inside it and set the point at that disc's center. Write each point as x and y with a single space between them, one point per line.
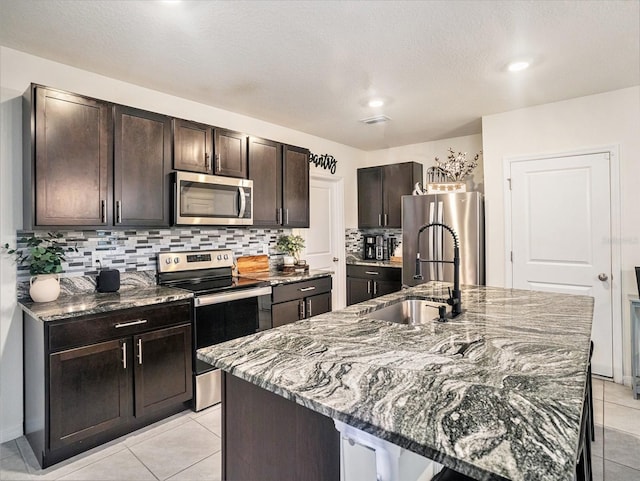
380 191
280 175
142 163
192 146
230 153
89 163
209 150
265 169
67 165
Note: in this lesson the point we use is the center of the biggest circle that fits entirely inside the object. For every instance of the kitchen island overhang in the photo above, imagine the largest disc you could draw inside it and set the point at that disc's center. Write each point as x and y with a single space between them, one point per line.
497 391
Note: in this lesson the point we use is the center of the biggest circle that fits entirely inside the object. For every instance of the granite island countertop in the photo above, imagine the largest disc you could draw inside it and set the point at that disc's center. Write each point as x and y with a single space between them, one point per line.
495 393
95 302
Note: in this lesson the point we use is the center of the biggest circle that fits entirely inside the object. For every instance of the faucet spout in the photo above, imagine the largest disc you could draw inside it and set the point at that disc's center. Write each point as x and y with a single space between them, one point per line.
455 296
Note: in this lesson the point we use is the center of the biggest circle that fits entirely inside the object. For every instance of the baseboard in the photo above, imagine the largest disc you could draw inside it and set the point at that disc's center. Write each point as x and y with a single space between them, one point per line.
11 432
627 380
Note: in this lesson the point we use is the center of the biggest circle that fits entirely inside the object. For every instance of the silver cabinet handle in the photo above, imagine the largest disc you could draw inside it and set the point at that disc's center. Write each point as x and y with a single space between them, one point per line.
124 355
118 211
206 160
603 277
305 289
380 220
286 214
301 310
373 273
386 219
132 323
103 208
218 162
375 288
279 216
368 287
139 351
309 308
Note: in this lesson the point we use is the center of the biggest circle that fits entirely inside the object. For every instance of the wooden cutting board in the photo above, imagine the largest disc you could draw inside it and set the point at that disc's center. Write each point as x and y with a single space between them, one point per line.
252 264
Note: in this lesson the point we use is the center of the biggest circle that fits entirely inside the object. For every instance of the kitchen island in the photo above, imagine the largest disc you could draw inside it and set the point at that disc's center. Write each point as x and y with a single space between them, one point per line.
496 393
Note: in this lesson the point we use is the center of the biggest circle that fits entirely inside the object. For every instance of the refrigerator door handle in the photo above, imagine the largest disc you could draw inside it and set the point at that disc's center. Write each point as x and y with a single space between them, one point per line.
431 237
440 241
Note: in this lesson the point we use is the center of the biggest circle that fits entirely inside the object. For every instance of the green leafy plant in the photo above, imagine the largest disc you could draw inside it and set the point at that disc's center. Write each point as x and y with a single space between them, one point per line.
44 255
290 245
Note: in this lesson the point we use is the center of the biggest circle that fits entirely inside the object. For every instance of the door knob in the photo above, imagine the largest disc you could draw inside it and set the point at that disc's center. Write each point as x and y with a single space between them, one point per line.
335 259
603 277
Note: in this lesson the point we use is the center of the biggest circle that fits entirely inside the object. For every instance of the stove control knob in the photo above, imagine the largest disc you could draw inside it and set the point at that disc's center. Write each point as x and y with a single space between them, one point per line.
168 261
176 260
219 257
226 256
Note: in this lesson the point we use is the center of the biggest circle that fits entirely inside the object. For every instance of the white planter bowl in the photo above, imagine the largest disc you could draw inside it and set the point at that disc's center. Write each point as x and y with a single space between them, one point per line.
44 287
289 260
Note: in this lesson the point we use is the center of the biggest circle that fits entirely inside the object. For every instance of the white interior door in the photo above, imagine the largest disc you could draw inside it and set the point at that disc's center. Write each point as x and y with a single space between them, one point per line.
561 236
324 240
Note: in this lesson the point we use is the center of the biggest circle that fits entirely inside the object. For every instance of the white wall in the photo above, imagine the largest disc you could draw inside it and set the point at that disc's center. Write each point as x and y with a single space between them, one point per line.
611 118
423 153
17 71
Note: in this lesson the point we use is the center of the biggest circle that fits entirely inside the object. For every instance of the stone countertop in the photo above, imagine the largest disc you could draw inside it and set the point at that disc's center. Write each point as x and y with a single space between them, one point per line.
352 260
276 277
495 393
95 302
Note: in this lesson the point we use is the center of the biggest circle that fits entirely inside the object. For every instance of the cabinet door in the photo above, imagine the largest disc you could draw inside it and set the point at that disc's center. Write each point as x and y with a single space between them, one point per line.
295 188
89 391
142 161
163 372
358 290
370 197
231 153
319 304
398 180
192 146
265 169
73 139
380 288
287 312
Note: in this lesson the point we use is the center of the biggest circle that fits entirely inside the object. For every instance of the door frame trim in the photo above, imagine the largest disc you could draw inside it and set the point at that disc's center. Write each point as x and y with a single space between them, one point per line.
616 237
340 271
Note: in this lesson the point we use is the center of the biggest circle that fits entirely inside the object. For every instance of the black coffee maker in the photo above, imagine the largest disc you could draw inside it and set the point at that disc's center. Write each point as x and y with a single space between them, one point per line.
369 247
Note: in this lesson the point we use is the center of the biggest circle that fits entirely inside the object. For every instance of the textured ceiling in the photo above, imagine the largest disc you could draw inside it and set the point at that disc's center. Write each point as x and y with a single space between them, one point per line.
312 65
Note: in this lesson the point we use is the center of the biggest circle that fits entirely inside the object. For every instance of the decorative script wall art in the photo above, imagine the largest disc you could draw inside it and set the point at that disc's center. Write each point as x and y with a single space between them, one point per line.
325 161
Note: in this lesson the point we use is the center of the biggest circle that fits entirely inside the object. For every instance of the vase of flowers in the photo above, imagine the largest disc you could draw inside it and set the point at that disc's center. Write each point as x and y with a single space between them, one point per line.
457 167
44 256
290 246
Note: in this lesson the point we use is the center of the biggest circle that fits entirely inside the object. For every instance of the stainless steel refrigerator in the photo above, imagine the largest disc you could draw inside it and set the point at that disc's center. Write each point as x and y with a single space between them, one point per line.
464 213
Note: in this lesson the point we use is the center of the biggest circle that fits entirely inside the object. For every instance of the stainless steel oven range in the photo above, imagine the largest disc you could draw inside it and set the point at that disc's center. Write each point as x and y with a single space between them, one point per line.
225 307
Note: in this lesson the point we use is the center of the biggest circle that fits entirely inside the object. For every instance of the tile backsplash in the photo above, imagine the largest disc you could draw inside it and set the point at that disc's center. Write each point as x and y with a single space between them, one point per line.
135 251
354 238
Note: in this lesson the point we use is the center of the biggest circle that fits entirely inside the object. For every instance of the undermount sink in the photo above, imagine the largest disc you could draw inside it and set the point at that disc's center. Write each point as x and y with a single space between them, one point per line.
410 311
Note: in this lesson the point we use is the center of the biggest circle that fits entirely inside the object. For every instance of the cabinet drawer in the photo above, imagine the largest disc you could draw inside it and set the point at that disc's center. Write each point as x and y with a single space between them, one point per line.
116 324
375 272
298 290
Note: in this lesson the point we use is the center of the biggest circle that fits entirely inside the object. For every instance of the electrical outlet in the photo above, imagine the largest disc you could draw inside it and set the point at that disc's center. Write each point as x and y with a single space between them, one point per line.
98 256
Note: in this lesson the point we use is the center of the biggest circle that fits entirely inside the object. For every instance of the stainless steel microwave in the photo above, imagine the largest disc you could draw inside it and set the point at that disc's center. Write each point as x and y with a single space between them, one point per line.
201 199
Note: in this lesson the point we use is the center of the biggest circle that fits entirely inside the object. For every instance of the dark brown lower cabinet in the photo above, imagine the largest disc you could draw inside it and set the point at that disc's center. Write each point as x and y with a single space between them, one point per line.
270 438
300 300
369 282
91 379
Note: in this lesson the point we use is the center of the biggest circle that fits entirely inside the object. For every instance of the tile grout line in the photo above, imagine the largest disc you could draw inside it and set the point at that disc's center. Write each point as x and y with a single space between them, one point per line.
142 462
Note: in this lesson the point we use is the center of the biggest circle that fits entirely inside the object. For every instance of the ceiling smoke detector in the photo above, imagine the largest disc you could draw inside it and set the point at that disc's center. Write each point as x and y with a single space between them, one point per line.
375 120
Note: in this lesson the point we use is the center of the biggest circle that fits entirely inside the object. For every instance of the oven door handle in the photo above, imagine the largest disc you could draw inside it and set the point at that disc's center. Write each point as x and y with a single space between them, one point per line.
231 296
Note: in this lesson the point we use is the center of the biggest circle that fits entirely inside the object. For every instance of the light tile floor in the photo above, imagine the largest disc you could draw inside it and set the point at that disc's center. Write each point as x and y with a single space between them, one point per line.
186 447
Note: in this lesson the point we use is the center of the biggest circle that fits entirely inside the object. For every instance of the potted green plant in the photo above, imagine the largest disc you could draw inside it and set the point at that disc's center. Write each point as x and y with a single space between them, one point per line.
290 246
44 256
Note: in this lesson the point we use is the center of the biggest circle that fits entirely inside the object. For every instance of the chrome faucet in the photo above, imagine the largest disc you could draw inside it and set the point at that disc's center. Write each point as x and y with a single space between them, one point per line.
455 297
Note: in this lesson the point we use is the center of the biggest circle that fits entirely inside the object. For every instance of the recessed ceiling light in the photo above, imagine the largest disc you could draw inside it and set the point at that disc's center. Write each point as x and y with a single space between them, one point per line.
376 103
518 66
